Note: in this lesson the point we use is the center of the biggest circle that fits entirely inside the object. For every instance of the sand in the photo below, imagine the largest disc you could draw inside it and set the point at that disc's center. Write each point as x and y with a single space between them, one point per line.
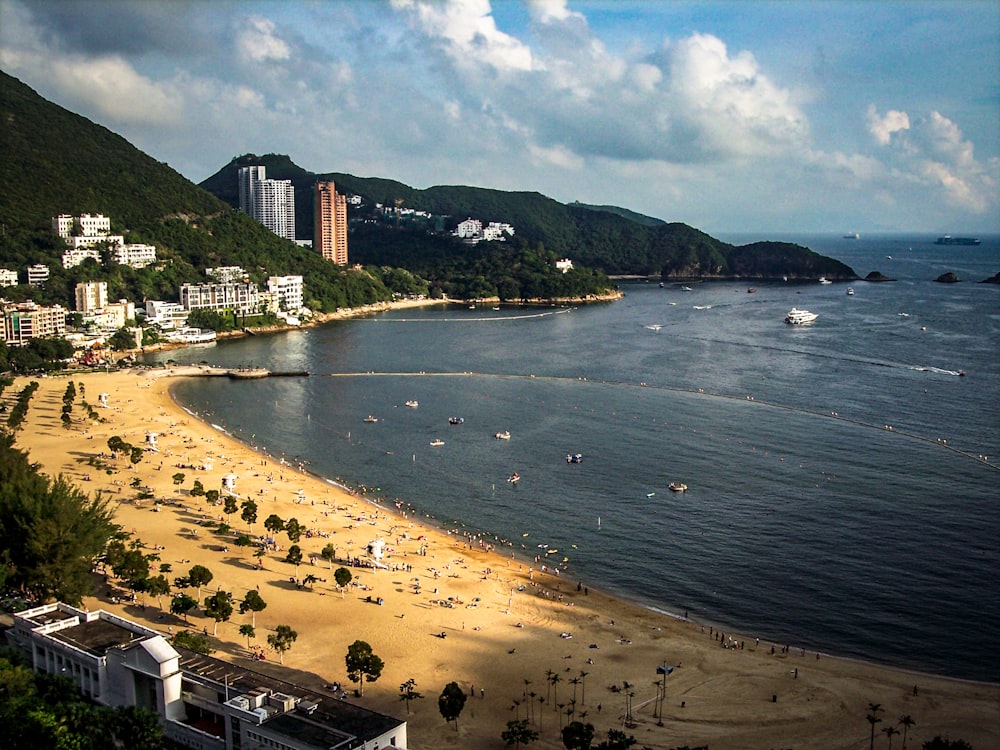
505 628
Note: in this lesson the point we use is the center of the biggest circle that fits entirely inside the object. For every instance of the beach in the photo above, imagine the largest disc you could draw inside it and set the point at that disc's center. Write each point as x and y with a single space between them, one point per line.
447 607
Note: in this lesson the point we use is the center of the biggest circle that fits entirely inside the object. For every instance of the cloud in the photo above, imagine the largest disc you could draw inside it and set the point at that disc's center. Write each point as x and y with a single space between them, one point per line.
932 153
883 126
257 42
466 32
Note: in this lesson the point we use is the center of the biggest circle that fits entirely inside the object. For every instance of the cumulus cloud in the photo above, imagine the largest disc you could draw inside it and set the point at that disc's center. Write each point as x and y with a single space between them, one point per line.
258 42
467 32
883 126
932 152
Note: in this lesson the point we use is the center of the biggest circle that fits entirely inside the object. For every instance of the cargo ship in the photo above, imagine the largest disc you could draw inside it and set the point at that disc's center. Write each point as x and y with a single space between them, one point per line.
949 240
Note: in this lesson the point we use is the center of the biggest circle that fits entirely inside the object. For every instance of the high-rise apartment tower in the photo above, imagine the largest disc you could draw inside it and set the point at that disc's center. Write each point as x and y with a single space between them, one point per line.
330 228
271 202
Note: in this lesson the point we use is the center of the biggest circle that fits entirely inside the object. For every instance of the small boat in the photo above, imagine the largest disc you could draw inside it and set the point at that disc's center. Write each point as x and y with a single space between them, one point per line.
514 478
661 285
574 458
752 290
654 327
370 418
824 280
437 441
850 291
686 289
852 236
797 317
677 487
505 435
413 404
496 307
455 420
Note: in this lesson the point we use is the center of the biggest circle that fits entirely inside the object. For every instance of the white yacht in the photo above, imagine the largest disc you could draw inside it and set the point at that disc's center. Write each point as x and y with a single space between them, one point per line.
824 280
797 317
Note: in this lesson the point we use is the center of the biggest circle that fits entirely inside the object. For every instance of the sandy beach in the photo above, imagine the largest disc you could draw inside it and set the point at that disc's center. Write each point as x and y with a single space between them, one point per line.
447 607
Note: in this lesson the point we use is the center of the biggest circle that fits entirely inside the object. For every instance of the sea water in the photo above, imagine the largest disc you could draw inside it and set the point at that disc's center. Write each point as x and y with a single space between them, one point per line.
841 475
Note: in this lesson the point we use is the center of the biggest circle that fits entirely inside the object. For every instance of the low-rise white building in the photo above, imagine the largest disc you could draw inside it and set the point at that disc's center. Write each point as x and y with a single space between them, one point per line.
227 274
288 290
469 229
38 274
8 277
564 264
166 315
238 297
202 702
84 225
91 295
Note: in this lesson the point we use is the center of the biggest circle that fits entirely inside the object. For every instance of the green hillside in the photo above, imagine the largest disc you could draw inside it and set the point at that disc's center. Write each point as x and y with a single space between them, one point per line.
55 161
611 240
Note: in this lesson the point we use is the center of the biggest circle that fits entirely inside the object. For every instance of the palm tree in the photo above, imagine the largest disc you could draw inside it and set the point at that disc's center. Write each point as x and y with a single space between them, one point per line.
583 688
906 721
548 679
873 719
889 731
574 681
555 679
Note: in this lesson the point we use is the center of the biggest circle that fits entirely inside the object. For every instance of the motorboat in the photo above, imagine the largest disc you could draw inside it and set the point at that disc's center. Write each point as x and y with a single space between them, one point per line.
371 418
824 280
514 478
455 420
436 442
752 290
797 317
413 404
850 291
574 458
677 487
505 435
686 289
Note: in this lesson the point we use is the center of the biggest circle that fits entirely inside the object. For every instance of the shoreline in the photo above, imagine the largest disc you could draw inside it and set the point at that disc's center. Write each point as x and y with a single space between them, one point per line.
720 696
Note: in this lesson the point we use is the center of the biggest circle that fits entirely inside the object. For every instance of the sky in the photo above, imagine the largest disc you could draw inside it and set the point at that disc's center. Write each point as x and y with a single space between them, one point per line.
733 117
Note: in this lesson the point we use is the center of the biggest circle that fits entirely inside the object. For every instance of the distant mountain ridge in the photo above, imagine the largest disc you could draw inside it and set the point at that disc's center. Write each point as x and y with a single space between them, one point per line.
608 238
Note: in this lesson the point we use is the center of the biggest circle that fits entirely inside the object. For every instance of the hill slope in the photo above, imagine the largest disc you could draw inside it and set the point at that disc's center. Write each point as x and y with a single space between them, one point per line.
55 161
610 239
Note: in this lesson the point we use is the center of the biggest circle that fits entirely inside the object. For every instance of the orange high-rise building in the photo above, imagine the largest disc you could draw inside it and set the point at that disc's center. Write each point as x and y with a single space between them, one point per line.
330 223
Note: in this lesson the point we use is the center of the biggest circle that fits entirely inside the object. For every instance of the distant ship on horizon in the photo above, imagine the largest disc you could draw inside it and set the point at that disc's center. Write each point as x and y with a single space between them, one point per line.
852 236
949 240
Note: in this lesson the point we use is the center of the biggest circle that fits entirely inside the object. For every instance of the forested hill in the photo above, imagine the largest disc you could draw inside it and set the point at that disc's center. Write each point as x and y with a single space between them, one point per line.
57 162
610 239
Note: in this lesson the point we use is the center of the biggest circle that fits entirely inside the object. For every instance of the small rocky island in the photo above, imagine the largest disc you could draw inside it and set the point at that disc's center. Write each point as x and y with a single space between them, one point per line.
947 278
876 276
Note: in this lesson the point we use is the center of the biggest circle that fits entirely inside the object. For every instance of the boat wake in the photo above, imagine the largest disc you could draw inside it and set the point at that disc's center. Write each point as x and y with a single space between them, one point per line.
938 370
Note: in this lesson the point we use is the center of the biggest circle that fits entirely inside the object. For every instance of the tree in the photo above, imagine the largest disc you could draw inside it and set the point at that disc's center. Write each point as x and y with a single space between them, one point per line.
158 586
309 581
940 744
219 606
889 732
407 692
252 603
577 736
182 604
906 722
294 530
249 514
362 662
617 740
873 719
211 496
199 576
193 641
294 556
451 702
229 506
518 733
342 577
197 489
137 727
281 640
329 553
274 524
178 478
248 631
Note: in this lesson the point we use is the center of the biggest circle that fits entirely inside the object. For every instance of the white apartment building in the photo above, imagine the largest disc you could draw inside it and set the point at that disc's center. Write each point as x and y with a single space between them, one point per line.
38 274
8 277
26 320
91 296
111 317
203 703
288 290
90 225
166 315
271 202
469 229
227 274
238 297
564 264
132 255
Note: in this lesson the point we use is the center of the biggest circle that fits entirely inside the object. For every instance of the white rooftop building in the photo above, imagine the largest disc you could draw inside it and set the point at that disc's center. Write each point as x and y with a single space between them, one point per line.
288 290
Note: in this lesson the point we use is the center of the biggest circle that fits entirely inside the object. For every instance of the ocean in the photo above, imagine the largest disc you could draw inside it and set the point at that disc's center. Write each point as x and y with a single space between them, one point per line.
841 475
